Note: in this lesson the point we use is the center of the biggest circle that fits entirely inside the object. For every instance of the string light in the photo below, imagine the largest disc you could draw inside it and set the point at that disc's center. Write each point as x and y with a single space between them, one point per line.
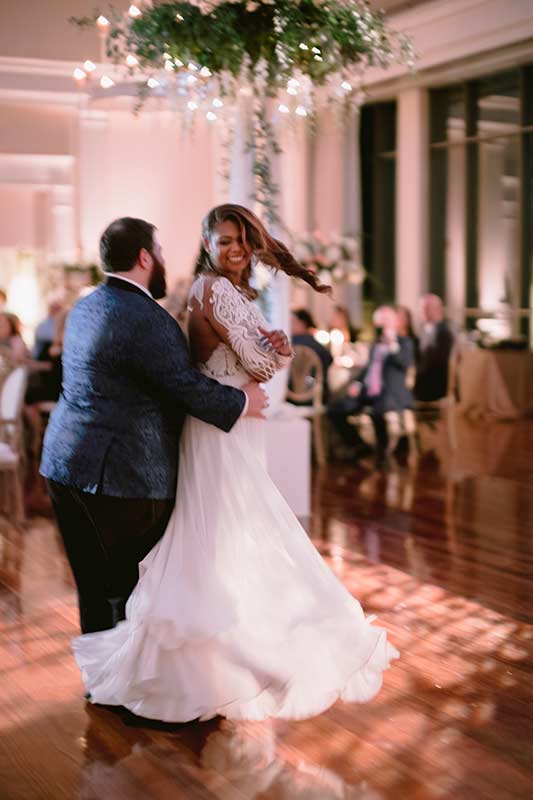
134 12
102 21
192 105
131 61
191 79
218 103
192 66
106 82
169 66
88 66
283 109
153 83
211 116
205 72
300 110
346 86
303 46
178 63
79 74
179 18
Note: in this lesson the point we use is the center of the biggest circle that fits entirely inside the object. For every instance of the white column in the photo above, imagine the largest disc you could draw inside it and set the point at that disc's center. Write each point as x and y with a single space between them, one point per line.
456 231
412 172
93 173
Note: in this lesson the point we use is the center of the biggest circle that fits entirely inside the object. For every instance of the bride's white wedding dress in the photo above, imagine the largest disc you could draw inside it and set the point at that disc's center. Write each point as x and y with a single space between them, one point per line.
235 612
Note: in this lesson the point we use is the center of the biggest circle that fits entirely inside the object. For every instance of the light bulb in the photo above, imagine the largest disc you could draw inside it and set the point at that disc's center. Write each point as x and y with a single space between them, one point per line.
211 116
300 110
191 79
106 82
88 66
192 66
79 74
153 83
205 72
102 22
179 18
169 66
192 106
166 56
217 103
346 86
292 90
315 50
131 61
322 337
283 109
318 58
303 46
178 63
134 12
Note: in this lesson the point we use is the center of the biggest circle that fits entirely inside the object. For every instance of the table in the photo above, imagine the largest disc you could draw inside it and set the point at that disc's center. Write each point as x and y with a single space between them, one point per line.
496 383
288 450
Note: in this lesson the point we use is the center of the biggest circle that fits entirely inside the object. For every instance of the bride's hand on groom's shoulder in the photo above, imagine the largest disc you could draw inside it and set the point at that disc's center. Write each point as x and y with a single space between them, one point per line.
257 400
278 340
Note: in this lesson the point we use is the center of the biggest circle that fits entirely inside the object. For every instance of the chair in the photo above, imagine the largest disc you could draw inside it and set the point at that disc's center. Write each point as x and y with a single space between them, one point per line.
11 442
307 380
446 406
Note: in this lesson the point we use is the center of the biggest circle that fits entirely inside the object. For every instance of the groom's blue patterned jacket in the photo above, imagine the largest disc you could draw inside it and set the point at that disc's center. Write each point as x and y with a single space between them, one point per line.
128 383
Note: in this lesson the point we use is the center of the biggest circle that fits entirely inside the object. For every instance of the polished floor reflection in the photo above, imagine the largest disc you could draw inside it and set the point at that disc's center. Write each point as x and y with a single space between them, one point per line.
440 549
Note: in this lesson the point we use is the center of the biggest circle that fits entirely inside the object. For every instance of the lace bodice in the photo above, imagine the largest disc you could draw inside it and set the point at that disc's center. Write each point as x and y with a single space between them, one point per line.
242 353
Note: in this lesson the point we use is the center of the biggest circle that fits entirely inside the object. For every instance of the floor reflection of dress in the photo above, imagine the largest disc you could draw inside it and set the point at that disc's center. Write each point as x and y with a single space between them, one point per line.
244 756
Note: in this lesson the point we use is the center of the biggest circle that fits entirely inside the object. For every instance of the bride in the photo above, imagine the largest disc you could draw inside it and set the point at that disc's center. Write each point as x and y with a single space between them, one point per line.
235 612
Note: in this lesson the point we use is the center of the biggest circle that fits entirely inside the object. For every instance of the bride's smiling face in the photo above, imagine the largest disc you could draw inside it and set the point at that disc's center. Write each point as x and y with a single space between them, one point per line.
229 253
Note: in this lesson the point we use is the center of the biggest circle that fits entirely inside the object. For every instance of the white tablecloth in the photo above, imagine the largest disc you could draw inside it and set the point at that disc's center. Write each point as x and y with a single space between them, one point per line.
496 383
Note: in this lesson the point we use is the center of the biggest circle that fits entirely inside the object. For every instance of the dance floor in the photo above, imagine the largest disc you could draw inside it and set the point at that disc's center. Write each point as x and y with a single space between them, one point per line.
441 551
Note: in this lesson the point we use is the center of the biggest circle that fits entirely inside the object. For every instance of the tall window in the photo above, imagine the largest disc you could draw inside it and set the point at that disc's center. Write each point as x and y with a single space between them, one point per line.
481 209
378 170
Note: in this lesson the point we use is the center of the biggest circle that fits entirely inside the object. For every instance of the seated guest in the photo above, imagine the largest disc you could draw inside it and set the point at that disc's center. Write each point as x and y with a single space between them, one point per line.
45 331
44 384
12 344
435 345
340 320
381 385
302 327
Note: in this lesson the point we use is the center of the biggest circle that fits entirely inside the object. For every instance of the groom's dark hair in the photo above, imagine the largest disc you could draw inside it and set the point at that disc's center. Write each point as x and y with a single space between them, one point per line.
122 241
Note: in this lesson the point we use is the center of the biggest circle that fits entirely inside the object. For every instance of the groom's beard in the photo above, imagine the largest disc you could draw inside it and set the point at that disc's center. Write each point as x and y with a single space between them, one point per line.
158 282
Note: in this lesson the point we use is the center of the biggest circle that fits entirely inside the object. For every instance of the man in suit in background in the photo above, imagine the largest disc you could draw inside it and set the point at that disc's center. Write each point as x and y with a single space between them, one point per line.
110 452
302 327
435 345
381 385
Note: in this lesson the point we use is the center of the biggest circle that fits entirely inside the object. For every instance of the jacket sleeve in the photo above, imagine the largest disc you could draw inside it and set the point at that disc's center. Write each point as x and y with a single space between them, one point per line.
404 357
236 321
161 359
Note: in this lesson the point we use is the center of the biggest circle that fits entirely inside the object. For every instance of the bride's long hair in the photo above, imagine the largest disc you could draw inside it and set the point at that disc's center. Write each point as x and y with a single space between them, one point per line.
264 248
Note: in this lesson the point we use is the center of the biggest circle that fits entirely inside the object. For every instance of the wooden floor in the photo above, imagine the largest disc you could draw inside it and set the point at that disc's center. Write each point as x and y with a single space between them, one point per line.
441 551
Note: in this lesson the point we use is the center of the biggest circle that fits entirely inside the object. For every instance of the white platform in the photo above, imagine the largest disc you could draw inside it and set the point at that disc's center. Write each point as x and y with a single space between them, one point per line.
289 461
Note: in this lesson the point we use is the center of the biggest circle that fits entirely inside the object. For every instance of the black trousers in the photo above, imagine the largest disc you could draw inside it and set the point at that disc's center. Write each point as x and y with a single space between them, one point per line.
105 538
339 412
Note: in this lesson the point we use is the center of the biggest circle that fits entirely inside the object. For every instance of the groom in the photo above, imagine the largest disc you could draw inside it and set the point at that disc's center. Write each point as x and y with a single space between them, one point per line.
110 452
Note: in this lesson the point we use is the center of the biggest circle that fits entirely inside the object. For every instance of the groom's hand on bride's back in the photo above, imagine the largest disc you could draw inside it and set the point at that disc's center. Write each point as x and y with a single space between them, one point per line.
257 400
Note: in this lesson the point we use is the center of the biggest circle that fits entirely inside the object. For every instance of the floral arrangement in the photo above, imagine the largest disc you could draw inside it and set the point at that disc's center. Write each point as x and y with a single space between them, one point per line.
210 55
334 260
